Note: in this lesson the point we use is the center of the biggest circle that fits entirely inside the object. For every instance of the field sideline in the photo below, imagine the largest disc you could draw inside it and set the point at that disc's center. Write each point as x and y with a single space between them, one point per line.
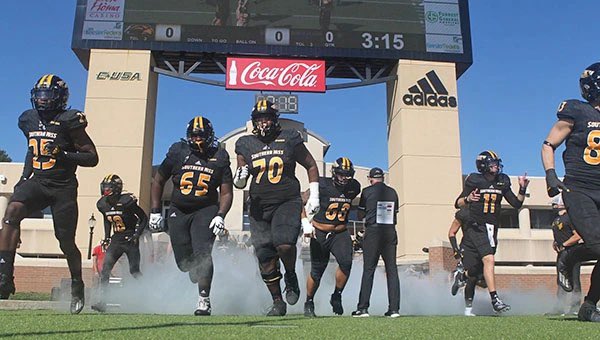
51 324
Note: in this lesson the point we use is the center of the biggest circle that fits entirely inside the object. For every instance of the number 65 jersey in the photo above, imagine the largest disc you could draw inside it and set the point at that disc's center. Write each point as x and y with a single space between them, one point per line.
272 166
582 153
196 177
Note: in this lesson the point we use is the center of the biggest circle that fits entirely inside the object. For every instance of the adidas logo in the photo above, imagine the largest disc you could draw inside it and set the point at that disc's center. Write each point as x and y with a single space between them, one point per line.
173 214
423 94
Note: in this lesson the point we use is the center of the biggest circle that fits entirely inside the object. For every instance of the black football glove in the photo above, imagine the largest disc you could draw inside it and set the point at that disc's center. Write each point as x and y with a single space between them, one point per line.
53 150
133 239
554 185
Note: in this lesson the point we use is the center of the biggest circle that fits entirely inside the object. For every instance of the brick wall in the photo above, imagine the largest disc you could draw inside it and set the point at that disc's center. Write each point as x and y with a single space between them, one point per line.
42 279
441 260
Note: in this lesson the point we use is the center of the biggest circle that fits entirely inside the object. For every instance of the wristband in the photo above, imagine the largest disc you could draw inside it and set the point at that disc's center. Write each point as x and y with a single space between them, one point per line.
549 144
522 191
155 210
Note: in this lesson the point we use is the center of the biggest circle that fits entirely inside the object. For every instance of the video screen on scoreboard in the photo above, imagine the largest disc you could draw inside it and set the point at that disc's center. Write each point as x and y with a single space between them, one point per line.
402 26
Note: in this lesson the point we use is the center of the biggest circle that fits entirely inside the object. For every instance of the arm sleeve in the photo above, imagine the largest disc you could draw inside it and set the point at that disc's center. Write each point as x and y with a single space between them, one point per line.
512 199
142 219
362 203
28 165
167 165
467 188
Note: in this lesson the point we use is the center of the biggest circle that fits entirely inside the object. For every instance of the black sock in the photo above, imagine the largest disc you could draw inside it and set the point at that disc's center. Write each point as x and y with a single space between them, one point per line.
593 294
494 296
7 262
337 291
309 298
204 293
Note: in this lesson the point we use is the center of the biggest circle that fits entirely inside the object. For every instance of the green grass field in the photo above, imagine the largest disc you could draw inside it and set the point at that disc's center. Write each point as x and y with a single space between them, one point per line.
50 324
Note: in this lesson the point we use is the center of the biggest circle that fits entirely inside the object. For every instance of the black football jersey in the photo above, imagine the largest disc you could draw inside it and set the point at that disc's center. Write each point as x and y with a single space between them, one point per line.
39 133
334 202
487 209
562 229
582 153
272 166
196 177
122 217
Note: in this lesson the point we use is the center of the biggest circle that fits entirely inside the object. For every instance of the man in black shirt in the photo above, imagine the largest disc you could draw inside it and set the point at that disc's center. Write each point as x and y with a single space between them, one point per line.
379 205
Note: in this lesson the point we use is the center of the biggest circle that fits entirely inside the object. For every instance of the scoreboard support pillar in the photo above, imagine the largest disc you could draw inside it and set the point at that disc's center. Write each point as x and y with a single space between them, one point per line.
423 152
120 105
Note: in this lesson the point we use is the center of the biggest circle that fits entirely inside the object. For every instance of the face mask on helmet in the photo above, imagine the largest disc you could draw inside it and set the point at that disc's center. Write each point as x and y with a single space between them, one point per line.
265 119
589 83
49 95
200 134
111 185
489 162
342 171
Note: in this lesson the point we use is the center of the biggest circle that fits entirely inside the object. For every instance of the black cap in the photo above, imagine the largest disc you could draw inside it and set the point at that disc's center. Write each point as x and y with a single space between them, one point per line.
376 173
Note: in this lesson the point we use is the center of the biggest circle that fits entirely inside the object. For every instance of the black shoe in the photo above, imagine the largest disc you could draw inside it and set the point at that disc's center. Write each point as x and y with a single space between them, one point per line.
7 286
279 308
77 296
99 307
564 278
392 314
459 281
588 312
292 289
336 304
499 306
309 309
203 308
360 313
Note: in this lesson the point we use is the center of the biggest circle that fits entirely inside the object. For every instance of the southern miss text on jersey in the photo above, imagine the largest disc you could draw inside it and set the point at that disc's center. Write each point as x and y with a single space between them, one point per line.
196 177
39 133
272 166
121 217
334 202
487 209
582 153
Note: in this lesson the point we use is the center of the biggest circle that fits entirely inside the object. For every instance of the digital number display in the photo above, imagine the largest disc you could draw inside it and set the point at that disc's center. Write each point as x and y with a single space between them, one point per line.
286 103
391 29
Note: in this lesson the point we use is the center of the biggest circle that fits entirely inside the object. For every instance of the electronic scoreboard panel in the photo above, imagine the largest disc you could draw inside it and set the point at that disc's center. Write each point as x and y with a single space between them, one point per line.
391 29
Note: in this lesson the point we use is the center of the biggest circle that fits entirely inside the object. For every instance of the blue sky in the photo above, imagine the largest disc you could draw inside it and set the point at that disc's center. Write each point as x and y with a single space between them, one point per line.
528 56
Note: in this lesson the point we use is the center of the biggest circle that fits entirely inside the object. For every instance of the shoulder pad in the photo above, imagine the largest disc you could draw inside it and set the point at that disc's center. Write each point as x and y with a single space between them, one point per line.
355 185
462 215
73 119
27 119
472 179
503 181
177 149
222 157
127 199
292 137
241 145
570 109
102 205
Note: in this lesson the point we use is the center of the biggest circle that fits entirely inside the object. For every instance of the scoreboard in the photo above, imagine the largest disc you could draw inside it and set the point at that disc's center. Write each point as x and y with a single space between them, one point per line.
391 29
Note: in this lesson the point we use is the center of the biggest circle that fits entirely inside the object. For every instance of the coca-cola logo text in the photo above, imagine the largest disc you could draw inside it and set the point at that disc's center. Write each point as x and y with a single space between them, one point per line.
276 74
296 74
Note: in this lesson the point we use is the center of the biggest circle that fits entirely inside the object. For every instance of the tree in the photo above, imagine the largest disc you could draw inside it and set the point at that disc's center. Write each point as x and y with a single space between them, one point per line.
4 157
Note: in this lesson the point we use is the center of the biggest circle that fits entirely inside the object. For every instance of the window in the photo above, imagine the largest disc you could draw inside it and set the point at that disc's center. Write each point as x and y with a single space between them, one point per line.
509 218
541 218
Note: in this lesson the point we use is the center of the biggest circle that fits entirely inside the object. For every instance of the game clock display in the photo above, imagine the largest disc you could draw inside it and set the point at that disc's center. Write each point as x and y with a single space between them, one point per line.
390 29
286 103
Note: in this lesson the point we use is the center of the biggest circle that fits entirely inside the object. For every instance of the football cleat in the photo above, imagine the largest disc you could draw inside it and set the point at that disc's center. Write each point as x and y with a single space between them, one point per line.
588 312
459 281
77 296
292 289
499 306
203 307
564 277
309 309
360 313
336 304
279 308
469 311
392 314
7 286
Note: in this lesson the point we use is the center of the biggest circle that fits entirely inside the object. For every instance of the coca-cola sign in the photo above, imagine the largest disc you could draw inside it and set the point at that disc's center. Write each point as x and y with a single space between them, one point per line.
275 74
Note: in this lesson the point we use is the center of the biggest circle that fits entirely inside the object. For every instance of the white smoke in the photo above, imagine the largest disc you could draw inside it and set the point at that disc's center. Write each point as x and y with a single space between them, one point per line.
238 289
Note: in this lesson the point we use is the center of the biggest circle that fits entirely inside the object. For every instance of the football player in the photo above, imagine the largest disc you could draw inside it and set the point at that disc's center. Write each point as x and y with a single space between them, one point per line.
270 155
202 196
483 193
127 220
58 143
469 260
328 233
579 125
